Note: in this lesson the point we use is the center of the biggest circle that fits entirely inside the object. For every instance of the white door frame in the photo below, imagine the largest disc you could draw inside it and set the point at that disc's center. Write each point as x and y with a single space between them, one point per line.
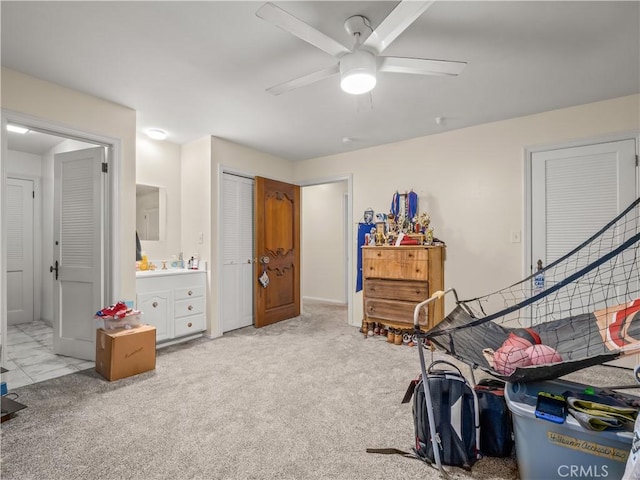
528 155
349 234
112 208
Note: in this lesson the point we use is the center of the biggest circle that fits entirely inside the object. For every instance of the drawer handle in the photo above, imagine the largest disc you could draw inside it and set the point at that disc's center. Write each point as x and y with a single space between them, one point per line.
189 324
411 255
189 293
379 254
190 307
154 304
372 309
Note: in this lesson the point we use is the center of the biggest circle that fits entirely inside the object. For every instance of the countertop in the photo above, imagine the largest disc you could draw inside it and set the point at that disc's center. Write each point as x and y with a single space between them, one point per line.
169 271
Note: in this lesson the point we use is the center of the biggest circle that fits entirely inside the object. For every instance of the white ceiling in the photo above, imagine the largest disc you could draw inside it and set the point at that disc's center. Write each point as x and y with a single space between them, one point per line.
201 68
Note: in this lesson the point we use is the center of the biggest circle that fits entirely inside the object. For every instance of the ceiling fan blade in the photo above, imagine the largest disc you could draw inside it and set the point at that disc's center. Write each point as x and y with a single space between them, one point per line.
306 80
405 13
289 23
420 66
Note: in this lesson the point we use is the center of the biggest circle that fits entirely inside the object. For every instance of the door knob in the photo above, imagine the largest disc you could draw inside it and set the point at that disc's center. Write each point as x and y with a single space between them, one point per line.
55 267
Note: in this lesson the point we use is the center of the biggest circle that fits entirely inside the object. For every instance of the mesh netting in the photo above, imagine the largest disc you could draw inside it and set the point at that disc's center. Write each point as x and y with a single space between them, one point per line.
585 306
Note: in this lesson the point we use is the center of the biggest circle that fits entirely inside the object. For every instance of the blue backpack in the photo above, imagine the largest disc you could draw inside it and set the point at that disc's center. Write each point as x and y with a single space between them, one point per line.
455 415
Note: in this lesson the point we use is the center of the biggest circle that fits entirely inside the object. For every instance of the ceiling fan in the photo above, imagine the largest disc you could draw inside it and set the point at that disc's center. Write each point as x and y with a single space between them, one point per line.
359 65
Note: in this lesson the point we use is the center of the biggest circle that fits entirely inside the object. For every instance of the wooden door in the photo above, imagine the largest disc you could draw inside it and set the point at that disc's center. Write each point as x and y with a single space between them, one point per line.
277 237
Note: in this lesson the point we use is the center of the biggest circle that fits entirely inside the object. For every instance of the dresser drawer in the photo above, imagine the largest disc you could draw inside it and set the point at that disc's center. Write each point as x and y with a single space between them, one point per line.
188 325
409 291
392 310
188 292
396 262
190 306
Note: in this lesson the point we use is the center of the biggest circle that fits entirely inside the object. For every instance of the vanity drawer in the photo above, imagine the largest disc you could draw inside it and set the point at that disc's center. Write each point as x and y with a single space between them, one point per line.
189 325
188 292
190 306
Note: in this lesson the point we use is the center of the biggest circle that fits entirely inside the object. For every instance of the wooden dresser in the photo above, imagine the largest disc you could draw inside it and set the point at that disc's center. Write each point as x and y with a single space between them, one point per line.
395 279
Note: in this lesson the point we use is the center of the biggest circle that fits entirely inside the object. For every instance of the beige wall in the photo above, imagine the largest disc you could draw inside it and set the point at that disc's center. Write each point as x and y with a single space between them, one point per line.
469 180
49 102
471 183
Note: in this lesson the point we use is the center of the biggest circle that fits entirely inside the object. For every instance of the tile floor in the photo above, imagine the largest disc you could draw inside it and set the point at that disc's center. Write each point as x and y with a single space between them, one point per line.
30 357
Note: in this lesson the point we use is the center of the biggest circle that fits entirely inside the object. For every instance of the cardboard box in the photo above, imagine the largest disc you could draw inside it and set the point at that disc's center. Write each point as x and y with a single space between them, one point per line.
125 352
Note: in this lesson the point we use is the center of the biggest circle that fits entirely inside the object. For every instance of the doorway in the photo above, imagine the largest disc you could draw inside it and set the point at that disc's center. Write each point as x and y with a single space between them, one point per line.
331 198
28 346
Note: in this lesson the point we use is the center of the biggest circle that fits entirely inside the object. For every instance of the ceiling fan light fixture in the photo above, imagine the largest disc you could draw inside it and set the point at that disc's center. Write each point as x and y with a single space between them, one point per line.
358 72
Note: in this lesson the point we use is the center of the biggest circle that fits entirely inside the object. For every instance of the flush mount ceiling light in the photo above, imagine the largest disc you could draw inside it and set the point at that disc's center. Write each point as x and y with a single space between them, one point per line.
358 72
156 134
17 129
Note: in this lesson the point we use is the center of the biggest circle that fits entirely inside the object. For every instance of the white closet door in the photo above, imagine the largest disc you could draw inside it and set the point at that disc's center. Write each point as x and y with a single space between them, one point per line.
20 266
574 193
237 252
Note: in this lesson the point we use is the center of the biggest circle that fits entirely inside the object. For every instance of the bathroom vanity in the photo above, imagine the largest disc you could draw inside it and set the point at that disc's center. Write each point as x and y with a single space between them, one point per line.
173 301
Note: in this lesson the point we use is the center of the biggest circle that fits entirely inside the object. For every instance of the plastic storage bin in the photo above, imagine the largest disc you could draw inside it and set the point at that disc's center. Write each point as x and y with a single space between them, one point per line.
547 450
129 321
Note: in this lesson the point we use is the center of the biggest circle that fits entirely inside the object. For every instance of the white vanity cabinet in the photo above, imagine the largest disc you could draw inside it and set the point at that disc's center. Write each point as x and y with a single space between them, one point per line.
173 302
155 308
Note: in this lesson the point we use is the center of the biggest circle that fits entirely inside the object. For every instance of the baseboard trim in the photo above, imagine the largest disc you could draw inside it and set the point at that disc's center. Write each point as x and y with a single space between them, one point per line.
324 300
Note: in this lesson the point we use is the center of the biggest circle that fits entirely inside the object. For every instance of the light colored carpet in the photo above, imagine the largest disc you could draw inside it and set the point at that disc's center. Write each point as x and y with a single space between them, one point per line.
301 399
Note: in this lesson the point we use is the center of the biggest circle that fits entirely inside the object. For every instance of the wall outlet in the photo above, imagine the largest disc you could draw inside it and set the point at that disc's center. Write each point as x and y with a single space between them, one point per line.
201 238
515 237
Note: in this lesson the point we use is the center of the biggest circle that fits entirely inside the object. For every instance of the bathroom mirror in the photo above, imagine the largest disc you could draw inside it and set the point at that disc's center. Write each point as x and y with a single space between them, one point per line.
151 212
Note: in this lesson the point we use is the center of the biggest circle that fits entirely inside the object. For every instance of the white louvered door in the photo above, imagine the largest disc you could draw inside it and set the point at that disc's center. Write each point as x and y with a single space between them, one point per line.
574 193
20 273
237 252
78 242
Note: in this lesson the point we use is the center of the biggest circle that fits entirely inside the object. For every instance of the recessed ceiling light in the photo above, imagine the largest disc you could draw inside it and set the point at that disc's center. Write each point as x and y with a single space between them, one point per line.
156 134
17 129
